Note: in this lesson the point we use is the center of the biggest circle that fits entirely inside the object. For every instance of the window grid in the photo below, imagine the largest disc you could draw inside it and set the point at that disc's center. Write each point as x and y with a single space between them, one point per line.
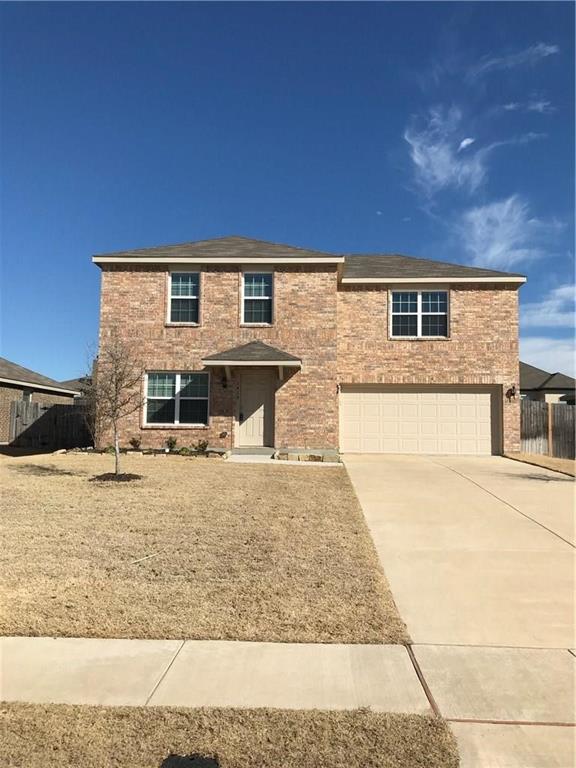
184 297
419 314
257 298
198 383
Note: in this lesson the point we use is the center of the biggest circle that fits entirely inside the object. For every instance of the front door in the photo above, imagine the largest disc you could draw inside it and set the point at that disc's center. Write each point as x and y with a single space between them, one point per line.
256 417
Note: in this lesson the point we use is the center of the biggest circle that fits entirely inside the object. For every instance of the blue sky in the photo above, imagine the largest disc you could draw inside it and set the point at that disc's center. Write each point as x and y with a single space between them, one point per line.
442 130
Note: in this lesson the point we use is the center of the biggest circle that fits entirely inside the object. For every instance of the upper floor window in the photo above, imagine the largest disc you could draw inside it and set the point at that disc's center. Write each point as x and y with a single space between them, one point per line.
184 297
417 314
177 398
257 298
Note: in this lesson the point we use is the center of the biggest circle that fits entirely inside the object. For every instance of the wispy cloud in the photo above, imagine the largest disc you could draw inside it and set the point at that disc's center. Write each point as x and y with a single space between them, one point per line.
436 151
556 310
541 106
503 234
466 143
527 57
548 353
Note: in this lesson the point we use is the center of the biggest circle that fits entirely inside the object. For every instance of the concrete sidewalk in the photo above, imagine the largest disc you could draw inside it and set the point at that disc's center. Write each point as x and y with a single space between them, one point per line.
209 674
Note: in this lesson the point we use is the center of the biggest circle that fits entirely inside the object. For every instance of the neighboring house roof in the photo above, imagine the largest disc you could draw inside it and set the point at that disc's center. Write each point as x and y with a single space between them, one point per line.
78 384
12 373
253 353
377 267
532 378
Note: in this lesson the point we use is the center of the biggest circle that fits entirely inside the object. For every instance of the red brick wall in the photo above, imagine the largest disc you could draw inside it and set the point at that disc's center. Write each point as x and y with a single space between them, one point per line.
306 413
9 392
482 348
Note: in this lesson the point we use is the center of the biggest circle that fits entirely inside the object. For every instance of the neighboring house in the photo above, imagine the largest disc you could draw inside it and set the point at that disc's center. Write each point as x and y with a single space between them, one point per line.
250 343
80 384
18 383
536 384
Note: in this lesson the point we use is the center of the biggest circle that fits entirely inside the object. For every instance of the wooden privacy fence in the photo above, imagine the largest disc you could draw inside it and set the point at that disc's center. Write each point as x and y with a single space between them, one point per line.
33 425
548 428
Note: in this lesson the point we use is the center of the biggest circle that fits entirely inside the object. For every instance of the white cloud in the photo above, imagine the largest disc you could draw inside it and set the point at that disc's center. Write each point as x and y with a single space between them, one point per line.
528 57
557 309
434 152
541 106
503 234
549 354
465 143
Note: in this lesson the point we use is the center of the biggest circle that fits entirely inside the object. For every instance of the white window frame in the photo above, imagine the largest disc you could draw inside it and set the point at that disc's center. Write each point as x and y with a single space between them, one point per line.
418 314
243 297
176 398
176 271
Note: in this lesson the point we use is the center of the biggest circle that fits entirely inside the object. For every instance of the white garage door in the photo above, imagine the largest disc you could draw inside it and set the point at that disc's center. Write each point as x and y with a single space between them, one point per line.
414 420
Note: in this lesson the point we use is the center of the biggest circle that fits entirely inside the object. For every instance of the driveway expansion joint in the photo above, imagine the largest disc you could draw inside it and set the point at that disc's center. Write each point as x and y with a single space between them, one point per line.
163 675
503 501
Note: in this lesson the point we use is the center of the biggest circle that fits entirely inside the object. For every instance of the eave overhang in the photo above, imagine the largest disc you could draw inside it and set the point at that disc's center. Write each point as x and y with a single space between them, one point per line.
426 280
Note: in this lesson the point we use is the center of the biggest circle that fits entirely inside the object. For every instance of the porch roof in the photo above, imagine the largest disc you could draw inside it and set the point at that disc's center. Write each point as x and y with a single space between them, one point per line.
253 353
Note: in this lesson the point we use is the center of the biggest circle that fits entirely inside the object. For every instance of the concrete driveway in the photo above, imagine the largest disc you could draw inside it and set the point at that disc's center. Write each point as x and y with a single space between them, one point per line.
479 553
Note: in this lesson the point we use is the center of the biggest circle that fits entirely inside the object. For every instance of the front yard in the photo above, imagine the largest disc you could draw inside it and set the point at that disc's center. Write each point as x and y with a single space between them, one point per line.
198 548
60 736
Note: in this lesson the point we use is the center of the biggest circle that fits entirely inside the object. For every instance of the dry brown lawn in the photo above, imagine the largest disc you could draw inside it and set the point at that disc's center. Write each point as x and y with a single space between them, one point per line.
62 736
198 548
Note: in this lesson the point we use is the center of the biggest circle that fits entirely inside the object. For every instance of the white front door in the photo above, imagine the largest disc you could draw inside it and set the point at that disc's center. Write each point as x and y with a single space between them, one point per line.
256 417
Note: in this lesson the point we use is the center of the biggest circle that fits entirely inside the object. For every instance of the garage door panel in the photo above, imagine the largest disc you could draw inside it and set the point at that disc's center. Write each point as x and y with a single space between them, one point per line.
412 421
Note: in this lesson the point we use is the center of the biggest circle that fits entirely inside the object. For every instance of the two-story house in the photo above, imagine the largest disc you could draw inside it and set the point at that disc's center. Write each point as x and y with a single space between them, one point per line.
251 343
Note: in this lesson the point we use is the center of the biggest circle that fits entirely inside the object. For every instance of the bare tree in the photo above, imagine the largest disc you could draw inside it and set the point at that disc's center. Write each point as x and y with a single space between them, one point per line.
115 389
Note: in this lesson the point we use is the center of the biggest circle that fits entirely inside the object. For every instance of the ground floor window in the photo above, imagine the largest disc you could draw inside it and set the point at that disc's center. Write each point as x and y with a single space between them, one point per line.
177 398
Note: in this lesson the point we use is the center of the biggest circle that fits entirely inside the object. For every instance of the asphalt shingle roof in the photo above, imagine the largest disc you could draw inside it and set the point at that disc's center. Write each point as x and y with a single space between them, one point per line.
358 266
234 246
535 378
395 265
254 352
15 372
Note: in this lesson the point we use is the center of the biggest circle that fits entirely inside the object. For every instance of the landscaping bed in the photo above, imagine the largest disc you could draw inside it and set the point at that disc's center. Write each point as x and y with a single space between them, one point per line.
194 549
61 736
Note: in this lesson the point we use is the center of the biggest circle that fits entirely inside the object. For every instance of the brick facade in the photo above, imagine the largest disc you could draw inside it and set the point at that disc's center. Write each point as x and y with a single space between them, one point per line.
340 332
306 412
11 392
482 347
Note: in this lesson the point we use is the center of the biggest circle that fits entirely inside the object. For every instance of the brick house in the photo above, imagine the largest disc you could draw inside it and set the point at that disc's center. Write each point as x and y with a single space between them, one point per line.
250 343
19 383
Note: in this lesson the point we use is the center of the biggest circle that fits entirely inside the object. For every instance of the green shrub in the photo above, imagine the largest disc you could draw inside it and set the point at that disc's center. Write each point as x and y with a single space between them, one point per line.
171 443
109 449
135 442
201 446
185 451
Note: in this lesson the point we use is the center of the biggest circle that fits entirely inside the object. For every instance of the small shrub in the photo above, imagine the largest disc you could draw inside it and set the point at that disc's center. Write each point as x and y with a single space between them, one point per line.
201 446
109 449
135 442
171 443
185 451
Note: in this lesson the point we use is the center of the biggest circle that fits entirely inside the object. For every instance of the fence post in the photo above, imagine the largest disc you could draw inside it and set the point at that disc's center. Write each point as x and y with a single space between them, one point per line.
550 430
